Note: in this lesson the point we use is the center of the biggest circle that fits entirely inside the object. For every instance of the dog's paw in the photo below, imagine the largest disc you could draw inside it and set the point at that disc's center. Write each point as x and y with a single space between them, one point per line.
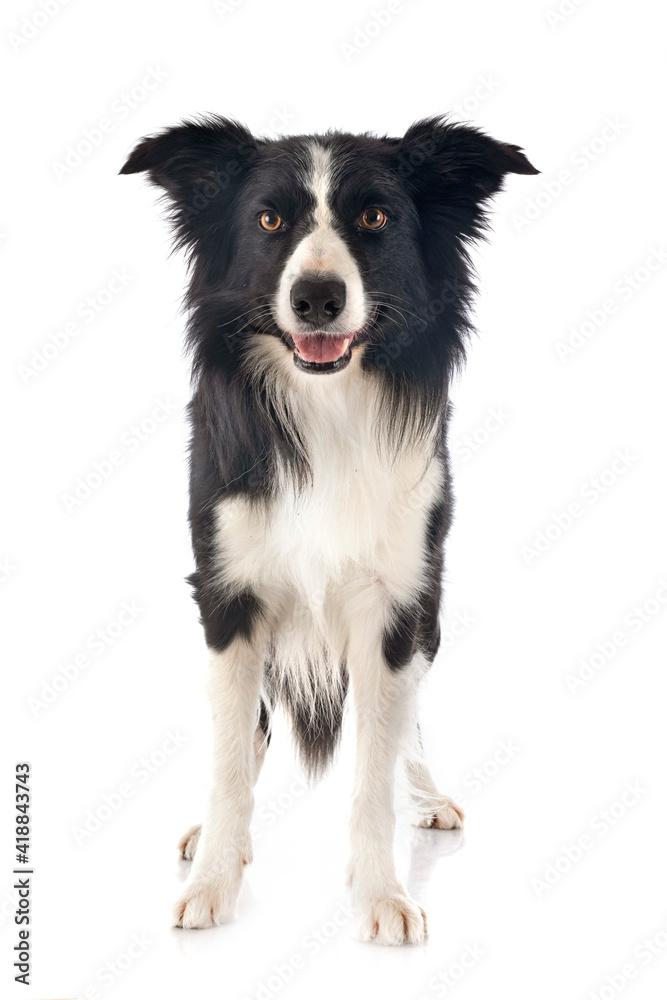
187 845
206 904
448 816
392 920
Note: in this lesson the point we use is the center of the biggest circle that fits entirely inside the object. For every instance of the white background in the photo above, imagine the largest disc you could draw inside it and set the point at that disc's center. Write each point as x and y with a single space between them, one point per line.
549 83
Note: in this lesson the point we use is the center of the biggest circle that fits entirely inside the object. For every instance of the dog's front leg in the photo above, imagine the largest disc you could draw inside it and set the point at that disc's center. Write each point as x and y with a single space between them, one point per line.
225 847
380 694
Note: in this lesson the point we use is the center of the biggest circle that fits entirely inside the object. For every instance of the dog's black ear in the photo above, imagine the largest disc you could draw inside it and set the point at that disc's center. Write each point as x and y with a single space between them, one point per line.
447 162
196 161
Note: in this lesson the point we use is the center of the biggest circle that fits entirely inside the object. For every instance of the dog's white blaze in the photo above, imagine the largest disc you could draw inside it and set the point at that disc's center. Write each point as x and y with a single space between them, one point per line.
324 250
319 180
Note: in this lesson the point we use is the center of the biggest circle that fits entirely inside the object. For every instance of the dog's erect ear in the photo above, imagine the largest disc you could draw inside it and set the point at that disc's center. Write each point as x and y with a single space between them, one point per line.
196 161
445 161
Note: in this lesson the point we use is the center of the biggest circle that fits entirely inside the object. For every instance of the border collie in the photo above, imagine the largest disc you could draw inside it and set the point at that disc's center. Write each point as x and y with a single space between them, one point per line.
329 306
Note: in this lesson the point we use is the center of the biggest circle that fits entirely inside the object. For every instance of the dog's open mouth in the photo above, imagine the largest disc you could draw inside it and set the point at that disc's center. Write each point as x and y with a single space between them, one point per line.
321 352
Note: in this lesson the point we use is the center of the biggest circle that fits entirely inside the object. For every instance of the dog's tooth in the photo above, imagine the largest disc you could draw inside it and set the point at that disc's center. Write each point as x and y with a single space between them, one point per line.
345 345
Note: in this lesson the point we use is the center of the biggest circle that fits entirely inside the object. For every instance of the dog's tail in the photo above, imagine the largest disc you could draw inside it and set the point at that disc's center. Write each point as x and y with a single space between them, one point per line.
316 714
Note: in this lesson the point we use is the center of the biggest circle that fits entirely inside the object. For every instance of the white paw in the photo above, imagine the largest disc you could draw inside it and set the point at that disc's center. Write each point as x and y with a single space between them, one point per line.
187 845
392 920
207 903
447 816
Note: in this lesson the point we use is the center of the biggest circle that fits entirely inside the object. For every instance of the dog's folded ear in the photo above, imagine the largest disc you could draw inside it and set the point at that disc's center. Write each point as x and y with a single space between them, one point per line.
195 162
444 161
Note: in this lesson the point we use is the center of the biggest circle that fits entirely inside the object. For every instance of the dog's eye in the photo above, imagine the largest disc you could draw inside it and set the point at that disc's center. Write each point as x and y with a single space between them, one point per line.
374 218
270 221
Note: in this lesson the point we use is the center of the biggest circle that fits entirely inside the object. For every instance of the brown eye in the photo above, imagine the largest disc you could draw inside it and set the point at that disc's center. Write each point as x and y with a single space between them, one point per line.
270 221
374 218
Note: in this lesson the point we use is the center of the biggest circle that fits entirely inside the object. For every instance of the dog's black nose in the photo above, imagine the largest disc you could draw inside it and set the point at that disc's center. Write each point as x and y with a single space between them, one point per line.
318 300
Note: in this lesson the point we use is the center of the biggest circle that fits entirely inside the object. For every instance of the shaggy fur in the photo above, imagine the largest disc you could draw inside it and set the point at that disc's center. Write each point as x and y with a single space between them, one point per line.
329 295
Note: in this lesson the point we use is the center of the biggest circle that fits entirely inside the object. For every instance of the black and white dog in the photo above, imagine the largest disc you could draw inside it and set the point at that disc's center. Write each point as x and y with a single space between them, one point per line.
329 297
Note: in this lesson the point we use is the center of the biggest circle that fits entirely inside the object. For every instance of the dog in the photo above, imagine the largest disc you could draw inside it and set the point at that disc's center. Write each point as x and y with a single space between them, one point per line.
329 297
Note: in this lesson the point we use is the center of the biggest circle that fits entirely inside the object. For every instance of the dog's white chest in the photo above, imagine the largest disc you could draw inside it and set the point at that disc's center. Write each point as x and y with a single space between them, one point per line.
364 515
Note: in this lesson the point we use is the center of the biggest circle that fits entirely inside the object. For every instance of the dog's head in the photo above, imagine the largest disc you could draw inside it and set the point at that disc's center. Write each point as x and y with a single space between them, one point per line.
332 245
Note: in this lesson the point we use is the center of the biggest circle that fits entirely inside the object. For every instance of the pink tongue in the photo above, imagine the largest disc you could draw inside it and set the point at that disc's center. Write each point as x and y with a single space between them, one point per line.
319 347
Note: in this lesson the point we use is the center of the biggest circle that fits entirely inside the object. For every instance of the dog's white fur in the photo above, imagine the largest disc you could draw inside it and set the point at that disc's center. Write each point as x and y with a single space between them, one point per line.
323 250
328 562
